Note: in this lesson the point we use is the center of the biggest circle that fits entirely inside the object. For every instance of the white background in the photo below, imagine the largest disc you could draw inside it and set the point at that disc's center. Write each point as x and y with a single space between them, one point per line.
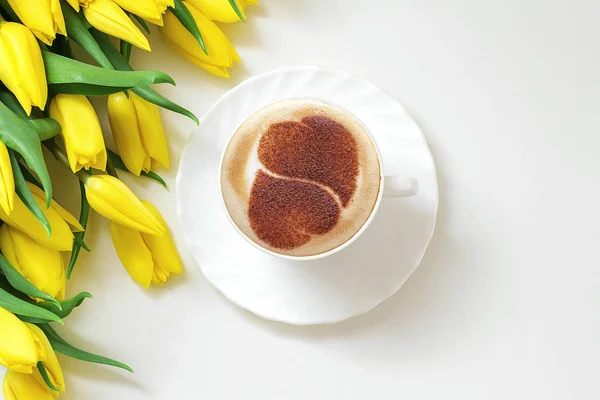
506 303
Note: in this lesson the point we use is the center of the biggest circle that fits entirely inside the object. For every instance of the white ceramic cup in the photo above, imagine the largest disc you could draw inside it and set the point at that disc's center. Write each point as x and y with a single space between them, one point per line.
390 187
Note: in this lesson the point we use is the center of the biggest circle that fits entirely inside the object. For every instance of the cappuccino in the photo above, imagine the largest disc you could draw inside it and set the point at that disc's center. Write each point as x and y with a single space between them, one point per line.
300 177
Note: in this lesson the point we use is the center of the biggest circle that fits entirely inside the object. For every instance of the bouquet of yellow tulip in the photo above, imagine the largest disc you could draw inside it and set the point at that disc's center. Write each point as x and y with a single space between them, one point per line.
44 105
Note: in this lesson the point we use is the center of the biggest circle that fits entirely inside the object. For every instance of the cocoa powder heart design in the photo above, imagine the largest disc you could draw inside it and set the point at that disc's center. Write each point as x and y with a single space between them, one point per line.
286 209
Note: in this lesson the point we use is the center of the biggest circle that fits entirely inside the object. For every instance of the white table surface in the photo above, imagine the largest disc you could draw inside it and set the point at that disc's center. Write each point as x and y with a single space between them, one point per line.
506 301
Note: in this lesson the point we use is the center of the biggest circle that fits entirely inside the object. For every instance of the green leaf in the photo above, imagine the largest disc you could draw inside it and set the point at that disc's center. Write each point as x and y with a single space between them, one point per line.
42 368
83 219
25 194
187 20
13 104
46 128
151 95
77 31
63 70
67 305
156 177
144 92
20 135
21 283
61 346
125 49
140 21
85 89
237 10
26 309
119 164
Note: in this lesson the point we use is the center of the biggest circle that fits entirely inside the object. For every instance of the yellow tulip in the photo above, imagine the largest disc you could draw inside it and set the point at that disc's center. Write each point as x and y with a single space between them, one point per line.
138 132
20 347
147 258
146 9
112 199
81 131
108 17
19 386
221 53
7 182
60 219
41 266
163 4
50 361
44 18
221 10
74 4
162 7
31 386
22 68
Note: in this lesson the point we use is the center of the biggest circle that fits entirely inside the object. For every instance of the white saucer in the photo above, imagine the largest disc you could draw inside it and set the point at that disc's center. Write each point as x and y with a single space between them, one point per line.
345 284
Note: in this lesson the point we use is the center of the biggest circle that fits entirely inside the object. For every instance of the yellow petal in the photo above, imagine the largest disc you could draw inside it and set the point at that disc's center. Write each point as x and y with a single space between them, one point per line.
22 68
125 129
220 49
163 248
213 69
74 4
163 4
133 253
146 9
66 215
43 17
7 182
20 349
107 17
19 386
112 199
151 129
218 10
51 363
27 256
22 219
81 131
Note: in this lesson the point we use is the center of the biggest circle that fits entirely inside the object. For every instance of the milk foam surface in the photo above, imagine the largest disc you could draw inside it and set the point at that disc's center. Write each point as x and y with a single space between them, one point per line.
300 177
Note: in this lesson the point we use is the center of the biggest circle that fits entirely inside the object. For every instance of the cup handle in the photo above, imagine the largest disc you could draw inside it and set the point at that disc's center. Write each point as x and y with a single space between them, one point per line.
397 187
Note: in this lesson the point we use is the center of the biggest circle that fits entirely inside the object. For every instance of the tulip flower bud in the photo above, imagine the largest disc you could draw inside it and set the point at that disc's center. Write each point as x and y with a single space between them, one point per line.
108 17
147 258
138 132
162 6
17 386
7 182
221 53
60 219
112 199
81 131
20 348
31 386
44 18
74 4
221 10
146 9
51 363
22 68
43 267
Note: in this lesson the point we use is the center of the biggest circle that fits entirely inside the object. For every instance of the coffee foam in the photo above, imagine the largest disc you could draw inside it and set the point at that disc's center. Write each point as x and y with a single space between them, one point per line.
298 190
